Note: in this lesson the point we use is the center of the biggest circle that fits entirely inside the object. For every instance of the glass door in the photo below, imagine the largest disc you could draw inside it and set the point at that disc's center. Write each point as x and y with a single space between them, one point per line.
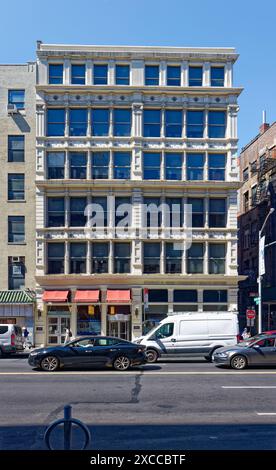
119 329
57 329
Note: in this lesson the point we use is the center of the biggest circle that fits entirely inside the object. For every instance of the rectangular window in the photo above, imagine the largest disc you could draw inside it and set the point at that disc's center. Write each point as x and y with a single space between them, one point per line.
198 218
151 165
100 74
216 124
101 201
217 212
217 76
77 211
173 259
152 258
195 124
195 166
254 195
217 252
100 253
121 165
174 166
56 215
55 122
195 258
245 174
174 212
17 97
195 76
56 258
185 295
120 213
122 74
100 165
158 295
122 122
152 122
216 166
78 164
152 75
55 165
173 123
100 122
173 75
16 229
78 258
55 74
16 274
122 255
16 148
78 122
153 212
246 201
78 74
16 185
215 296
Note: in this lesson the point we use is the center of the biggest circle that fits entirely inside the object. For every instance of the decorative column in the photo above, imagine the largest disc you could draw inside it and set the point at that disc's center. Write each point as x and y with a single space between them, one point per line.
163 73
184 73
206 74
137 111
67 72
89 73
111 72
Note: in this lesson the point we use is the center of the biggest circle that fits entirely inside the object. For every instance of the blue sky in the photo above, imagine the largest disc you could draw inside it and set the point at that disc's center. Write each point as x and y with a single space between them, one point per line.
247 25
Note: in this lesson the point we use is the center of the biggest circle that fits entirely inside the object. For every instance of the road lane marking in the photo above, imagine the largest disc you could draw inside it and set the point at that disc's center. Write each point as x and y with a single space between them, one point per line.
130 373
249 386
266 414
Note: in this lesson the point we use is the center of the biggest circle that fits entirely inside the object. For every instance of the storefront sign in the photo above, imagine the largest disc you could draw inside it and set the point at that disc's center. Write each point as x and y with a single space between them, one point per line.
261 256
91 310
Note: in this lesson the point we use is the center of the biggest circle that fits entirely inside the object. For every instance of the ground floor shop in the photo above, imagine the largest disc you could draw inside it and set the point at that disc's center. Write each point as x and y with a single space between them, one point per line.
18 307
123 312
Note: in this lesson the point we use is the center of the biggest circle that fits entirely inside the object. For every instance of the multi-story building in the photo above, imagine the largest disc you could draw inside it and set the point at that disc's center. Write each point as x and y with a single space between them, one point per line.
257 164
135 126
17 195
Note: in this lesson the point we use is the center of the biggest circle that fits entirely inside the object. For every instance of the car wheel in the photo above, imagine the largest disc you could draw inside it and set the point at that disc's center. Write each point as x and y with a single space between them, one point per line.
151 355
238 362
49 363
121 363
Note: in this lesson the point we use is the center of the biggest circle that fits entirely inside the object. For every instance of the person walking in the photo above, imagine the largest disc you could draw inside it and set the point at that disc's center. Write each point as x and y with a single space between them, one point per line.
25 336
68 336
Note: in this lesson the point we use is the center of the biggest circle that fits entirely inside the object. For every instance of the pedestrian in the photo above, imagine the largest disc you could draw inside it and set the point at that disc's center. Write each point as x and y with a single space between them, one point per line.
68 335
25 336
245 334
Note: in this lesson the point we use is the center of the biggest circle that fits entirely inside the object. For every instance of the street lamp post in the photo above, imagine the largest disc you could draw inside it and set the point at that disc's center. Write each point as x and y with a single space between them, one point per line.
259 272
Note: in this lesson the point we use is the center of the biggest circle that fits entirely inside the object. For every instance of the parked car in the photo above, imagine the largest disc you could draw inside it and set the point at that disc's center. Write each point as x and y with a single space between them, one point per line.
88 351
252 352
193 334
11 339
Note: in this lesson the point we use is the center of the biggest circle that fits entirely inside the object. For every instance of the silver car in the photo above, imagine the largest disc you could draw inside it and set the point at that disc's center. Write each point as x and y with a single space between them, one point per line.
255 351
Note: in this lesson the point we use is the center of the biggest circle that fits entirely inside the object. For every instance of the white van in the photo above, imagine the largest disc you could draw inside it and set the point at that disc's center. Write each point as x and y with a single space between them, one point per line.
11 339
193 334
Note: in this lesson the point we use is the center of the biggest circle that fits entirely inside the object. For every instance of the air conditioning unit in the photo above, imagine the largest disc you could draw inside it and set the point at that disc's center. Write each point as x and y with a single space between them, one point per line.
12 109
16 259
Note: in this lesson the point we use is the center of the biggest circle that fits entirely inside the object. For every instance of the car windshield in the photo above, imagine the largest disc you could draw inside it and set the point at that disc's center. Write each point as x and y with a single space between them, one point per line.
251 340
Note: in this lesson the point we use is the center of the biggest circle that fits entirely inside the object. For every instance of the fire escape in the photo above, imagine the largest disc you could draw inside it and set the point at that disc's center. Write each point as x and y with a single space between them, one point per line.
265 168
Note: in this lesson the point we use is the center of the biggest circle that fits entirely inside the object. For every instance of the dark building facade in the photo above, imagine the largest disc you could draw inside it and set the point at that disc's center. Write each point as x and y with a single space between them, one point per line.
257 163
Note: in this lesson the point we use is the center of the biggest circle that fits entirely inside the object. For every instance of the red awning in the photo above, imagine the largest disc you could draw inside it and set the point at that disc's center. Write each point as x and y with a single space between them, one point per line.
90 296
55 295
118 296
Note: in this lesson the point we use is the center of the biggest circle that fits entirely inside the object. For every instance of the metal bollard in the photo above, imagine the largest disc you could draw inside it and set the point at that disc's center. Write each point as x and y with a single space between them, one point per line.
67 421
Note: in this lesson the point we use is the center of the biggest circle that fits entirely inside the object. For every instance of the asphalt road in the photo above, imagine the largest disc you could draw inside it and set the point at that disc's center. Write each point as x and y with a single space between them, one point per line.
169 405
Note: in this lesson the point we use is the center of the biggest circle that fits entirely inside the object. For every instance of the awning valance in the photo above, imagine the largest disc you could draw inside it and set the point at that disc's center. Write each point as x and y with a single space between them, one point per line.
55 295
89 296
15 297
118 296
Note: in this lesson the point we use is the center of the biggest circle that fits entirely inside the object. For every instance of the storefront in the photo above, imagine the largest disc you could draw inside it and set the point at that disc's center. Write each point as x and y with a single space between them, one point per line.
17 307
119 313
58 315
88 312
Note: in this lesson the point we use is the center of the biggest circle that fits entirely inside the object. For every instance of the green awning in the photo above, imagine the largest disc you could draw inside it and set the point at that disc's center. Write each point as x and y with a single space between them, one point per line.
15 297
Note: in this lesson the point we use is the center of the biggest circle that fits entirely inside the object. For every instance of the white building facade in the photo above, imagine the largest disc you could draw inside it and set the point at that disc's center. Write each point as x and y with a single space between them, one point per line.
134 126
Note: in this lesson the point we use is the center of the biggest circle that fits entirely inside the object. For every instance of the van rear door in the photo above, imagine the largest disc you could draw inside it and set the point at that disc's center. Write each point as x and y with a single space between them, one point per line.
193 336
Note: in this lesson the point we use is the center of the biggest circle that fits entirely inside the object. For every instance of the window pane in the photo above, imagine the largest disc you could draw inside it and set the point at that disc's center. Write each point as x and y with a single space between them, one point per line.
152 122
122 122
195 166
16 148
195 76
173 75
217 212
100 122
173 120
78 122
55 122
158 295
100 165
122 162
17 97
185 295
197 211
151 75
173 166
100 74
217 124
151 258
78 162
55 74
78 74
16 186
100 257
151 164
122 74
16 229
216 164
215 296
77 209
217 76
195 124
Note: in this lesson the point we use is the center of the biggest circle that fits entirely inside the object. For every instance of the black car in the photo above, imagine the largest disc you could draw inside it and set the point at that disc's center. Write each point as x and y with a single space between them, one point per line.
88 351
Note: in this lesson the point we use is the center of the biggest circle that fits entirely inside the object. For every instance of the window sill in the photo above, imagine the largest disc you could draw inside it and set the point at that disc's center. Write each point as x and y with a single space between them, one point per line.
16 200
17 243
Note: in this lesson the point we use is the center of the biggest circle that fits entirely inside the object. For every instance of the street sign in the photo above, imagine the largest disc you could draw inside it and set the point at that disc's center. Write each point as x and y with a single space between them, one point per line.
250 314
